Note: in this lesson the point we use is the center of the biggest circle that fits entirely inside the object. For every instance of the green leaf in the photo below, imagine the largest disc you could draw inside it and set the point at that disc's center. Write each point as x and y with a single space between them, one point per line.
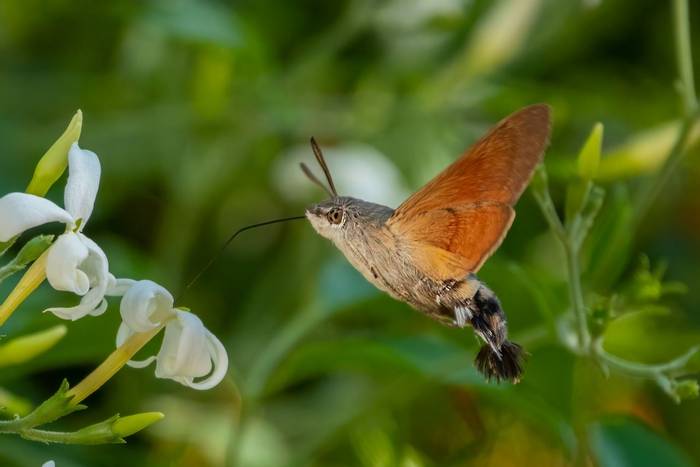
33 249
25 348
29 252
53 408
4 246
628 443
13 405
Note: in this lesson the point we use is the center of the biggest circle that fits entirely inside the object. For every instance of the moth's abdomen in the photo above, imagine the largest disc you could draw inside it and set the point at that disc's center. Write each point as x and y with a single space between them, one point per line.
488 317
498 358
471 302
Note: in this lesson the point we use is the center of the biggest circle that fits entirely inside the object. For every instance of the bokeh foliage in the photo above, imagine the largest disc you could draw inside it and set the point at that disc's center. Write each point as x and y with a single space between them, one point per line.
192 107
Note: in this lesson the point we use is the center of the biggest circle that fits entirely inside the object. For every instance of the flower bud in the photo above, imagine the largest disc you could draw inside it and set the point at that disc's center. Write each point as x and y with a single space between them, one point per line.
589 157
127 426
53 163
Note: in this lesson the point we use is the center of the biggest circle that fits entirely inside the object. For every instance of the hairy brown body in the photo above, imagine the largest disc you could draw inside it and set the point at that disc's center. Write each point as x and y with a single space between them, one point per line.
378 254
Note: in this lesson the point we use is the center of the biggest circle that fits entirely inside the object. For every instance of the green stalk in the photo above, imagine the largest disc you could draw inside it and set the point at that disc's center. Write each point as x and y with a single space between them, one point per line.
576 294
684 59
544 199
684 56
642 369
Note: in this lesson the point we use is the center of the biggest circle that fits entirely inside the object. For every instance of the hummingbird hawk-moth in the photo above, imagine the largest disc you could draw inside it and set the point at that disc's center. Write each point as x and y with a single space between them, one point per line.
427 251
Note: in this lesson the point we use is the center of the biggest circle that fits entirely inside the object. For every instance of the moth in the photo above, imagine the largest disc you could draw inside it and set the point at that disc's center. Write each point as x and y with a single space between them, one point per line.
427 251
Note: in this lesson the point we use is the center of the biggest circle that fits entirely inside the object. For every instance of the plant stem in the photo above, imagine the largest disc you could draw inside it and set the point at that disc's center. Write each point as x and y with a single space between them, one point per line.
641 369
684 57
60 437
544 199
576 294
31 279
546 204
111 365
570 240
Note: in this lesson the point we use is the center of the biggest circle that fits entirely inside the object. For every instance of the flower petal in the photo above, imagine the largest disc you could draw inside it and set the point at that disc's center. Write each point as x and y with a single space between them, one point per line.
184 352
146 305
220 360
123 334
94 268
86 307
101 308
63 262
190 351
21 211
118 287
83 182
93 303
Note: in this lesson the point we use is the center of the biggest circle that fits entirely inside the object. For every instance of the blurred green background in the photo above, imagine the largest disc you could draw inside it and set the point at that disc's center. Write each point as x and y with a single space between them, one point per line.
200 110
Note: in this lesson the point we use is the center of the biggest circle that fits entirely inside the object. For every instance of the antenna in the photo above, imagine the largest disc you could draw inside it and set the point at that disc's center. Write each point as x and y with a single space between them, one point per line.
313 178
322 162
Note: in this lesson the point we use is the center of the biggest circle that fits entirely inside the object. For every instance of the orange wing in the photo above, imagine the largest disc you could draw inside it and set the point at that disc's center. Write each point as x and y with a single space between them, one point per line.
454 223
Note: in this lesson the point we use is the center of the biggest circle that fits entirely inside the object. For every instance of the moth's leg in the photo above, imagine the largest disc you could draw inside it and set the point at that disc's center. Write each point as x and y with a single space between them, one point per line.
463 315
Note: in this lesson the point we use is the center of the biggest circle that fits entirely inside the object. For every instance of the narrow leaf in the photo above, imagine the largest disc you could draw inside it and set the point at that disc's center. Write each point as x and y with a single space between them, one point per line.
25 348
29 252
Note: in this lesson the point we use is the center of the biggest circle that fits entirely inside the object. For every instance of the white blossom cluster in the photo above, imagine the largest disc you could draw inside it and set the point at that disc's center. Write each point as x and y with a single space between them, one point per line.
76 264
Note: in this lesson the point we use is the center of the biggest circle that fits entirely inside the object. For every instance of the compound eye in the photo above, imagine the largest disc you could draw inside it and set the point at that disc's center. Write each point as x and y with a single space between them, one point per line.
335 216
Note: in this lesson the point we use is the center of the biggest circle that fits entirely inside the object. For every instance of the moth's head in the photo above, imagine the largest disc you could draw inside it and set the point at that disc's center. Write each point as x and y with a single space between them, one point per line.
344 218
329 218
340 218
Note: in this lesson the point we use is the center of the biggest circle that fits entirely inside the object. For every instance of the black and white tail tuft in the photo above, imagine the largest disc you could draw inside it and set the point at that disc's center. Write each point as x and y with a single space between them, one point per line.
503 365
499 358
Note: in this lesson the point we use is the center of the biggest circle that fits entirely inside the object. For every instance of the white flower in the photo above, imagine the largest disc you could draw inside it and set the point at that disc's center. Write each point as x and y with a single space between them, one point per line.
189 350
74 262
